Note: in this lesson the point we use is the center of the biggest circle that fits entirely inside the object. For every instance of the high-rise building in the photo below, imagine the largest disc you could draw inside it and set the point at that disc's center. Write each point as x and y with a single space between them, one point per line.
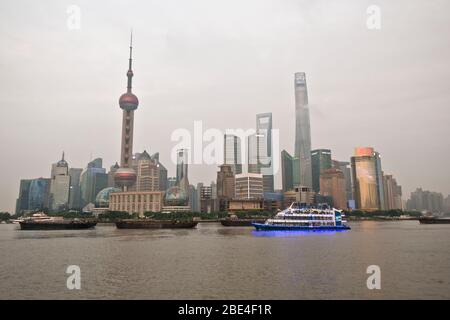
252 154
33 195
344 166
249 186
426 201
302 194
447 204
225 186
225 182
111 174
182 169
207 201
93 179
392 193
23 199
171 182
162 172
232 152
75 188
260 150
367 179
194 198
147 173
60 185
38 194
199 190
206 192
290 173
320 161
287 174
302 130
332 183
380 184
125 176
213 190
264 149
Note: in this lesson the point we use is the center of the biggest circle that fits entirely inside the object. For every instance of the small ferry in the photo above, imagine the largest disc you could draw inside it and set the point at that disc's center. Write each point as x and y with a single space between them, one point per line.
302 217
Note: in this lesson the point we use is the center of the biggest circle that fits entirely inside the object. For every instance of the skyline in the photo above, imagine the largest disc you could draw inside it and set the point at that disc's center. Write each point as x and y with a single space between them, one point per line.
73 101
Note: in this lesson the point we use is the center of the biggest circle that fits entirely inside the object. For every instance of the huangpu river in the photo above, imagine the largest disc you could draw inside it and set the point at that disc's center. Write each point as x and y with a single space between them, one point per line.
216 262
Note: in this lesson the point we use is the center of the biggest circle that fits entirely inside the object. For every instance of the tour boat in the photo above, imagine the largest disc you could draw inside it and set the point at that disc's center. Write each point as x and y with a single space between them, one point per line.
303 217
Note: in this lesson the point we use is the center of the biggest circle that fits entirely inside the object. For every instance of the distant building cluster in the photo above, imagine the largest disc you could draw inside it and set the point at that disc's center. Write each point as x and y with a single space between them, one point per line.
140 183
428 202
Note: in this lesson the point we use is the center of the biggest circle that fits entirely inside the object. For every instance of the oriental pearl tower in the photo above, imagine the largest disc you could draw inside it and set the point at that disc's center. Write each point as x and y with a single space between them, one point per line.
125 176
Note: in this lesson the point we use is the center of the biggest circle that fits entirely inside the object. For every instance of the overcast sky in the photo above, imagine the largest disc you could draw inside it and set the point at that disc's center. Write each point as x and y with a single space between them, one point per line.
223 62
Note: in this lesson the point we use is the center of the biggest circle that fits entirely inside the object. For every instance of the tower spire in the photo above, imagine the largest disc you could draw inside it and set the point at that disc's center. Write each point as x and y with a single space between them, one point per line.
130 71
63 156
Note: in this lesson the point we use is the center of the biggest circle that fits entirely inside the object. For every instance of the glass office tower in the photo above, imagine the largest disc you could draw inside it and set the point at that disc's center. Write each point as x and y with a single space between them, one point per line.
302 130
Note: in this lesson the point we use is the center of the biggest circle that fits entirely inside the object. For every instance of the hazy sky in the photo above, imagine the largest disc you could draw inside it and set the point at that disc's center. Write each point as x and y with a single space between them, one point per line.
223 62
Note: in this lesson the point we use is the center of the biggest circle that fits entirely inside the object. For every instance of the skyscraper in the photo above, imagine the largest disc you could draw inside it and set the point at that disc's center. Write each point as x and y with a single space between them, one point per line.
264 149
302 130
111 174
249 186
207 202
75 188
344 166
125 176
426 201
260 150
38 194
199 190
287 174
252 154
33 195
182 169
93 179
171 182
367 179
332 183
194 198
22 200
320 161
225 182
60 185
290 171
392 193
380 189
232 152
162 171
147 173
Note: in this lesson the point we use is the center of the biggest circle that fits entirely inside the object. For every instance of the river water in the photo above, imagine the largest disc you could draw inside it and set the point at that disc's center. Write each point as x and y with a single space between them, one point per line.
216 262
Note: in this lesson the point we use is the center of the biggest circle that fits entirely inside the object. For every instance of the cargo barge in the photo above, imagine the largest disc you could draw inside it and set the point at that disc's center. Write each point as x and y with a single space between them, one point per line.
434 220
41 221
245 222
155 224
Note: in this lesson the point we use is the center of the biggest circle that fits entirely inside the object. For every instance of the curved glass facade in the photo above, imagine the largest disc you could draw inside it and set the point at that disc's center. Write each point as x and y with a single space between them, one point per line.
176 196
102 199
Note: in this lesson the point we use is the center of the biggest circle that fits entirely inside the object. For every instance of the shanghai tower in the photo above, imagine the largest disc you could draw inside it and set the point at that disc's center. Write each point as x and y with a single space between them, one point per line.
302 131
125 176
